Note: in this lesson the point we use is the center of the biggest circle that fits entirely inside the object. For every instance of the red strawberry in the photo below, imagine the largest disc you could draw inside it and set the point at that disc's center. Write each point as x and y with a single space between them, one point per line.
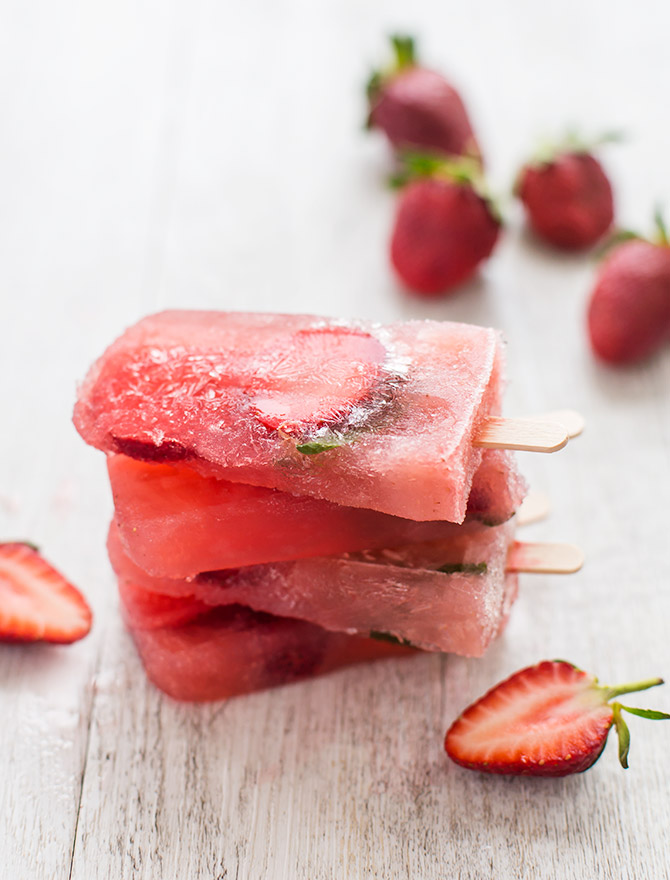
36 602
547 720
324 374
417 108
567 196
629 309
444 227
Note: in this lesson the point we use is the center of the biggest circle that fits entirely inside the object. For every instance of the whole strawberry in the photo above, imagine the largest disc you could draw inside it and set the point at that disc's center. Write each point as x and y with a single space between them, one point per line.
417 108
629 307
567 196
445 225
551 719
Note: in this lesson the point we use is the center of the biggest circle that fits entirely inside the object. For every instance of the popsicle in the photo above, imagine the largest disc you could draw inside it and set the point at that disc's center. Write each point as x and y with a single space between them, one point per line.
363 415
175 522
205 653
446 595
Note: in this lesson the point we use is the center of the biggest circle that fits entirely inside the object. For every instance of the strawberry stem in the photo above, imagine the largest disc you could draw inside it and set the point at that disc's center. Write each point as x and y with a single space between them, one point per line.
610 692
404 48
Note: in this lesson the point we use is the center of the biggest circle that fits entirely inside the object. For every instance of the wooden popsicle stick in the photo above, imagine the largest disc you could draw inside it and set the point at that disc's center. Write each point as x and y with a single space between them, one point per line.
534 507
523 435
572 421
544 558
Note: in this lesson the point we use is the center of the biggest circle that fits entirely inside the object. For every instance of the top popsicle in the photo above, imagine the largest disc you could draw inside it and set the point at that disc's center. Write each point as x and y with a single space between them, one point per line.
382 417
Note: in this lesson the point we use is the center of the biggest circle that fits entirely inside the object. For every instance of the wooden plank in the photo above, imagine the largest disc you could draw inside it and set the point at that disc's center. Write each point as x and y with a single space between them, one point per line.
77 88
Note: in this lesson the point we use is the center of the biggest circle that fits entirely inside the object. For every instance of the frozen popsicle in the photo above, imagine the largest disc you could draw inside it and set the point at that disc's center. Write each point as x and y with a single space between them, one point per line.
446 595
363 415
176 522
198 652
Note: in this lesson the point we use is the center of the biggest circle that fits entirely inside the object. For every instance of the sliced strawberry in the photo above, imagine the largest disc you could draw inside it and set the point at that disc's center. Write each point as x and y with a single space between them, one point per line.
551 719
318 379
36 602
296 380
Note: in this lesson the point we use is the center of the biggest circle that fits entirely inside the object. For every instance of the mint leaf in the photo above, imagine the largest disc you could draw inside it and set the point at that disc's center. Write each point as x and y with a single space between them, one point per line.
389 637
465 567
314 447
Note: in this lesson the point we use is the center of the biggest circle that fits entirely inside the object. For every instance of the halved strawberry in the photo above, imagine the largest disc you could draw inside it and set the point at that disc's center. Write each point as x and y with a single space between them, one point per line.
318 378
36 602
551 719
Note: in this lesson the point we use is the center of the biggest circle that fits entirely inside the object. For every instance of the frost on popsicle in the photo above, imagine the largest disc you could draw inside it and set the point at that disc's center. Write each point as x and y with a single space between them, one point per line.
238 396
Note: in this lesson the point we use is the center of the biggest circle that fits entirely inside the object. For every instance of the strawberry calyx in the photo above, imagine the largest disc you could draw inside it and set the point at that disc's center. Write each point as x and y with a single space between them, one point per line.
659 238
623 734
462 170
608 693
572 143
404 51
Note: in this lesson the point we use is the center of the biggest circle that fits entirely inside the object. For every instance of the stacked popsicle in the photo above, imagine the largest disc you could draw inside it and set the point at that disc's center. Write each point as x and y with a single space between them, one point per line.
293 494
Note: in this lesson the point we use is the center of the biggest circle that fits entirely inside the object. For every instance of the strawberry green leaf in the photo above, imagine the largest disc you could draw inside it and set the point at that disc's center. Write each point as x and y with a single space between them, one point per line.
573 142
465 170
372 89
624 735
619 236
661 228
653 714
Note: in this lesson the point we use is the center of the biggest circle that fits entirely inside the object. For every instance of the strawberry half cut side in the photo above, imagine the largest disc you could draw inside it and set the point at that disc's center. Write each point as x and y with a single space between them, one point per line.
551 719
36 602
318 379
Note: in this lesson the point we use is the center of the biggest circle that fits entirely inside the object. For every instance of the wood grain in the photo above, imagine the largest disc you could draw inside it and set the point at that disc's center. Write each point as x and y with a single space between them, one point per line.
521 435
165 154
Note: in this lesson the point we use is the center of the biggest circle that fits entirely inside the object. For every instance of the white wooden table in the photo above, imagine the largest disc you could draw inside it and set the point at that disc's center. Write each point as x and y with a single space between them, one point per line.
208 155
